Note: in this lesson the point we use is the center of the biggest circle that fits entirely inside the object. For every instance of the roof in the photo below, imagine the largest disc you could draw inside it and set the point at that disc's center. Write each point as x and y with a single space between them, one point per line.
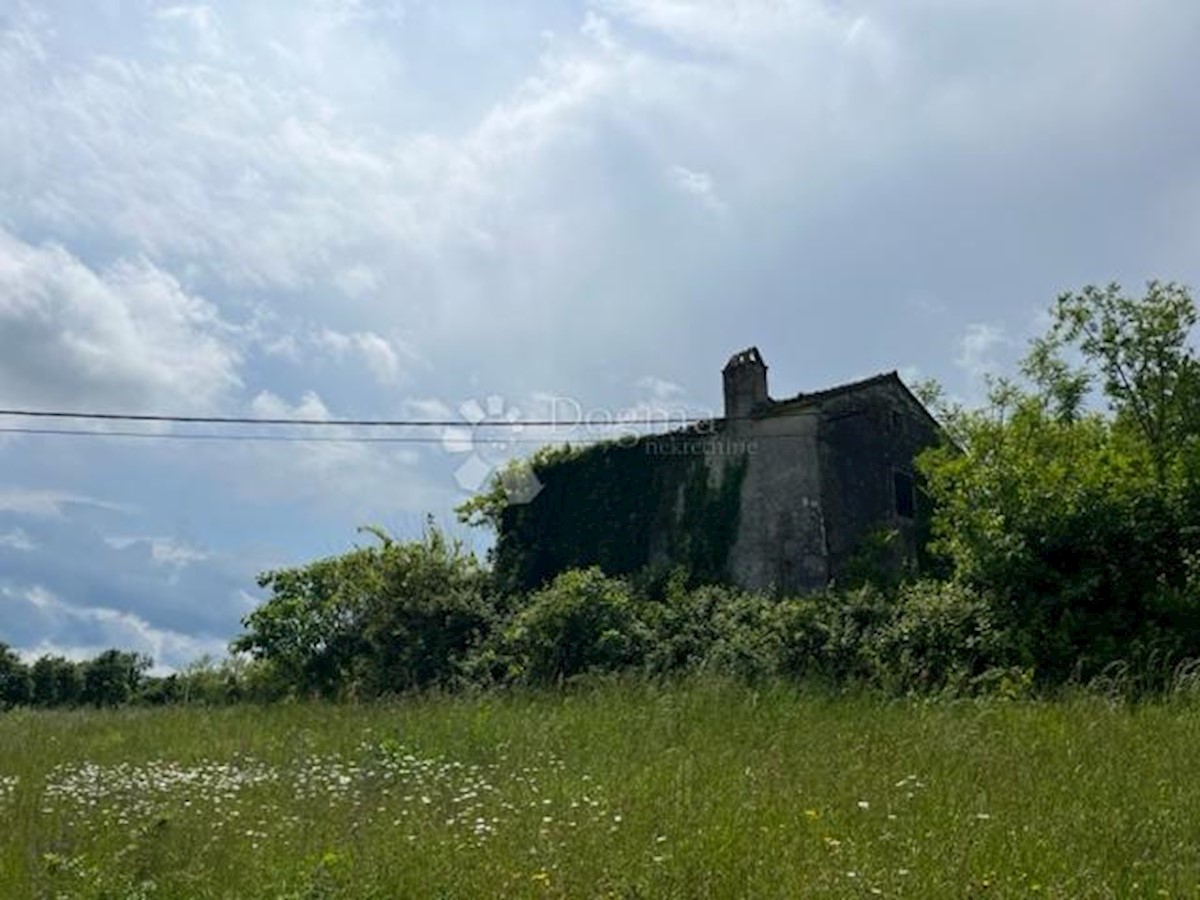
804 401
815 398
812 397
800 402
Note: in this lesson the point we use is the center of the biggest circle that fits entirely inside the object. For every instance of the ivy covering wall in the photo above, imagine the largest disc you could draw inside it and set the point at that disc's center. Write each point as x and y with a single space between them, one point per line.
625 508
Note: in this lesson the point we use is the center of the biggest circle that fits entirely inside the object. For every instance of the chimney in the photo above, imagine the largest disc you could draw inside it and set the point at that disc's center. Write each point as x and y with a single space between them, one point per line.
745 377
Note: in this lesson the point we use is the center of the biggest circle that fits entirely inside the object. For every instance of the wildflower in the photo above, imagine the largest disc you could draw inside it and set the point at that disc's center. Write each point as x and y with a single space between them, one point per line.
863 804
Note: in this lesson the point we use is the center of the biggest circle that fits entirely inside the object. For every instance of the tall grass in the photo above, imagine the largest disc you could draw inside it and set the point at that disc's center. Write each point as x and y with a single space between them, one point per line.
624 790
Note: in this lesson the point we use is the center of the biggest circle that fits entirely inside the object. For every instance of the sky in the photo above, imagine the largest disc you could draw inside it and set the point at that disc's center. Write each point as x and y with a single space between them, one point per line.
461 209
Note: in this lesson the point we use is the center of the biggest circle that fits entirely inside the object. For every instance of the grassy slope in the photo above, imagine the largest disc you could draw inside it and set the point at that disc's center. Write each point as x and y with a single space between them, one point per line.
719 791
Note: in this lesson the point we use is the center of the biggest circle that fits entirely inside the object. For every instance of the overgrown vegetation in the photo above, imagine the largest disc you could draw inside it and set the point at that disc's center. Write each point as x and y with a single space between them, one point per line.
1064 538
631 789
683 507
1073 504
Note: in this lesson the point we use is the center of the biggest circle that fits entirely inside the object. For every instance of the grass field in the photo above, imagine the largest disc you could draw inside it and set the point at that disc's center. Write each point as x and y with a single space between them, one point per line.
624 791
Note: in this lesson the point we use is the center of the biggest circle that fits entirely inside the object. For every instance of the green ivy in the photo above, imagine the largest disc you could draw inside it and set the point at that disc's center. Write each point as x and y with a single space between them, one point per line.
621 506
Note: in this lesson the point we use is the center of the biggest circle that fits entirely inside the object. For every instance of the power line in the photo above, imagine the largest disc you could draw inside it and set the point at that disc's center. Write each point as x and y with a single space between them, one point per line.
261 438
467 443
360 423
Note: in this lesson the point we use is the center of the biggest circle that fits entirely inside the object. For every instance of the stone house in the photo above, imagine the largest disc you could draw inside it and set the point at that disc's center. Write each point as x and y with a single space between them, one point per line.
783 495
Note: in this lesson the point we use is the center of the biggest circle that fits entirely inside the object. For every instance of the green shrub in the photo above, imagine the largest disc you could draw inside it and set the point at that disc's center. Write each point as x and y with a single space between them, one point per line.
746 642
941 635
583 621
689 624
377 620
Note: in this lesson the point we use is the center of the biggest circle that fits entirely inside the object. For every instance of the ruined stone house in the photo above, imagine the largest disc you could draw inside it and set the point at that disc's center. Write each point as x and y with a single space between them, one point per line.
785 495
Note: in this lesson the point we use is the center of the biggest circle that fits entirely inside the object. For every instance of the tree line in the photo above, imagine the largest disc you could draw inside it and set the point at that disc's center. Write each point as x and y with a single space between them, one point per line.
111 678
116 677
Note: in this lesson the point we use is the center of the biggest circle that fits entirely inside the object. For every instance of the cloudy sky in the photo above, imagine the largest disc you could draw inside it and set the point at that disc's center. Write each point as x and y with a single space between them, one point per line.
401 208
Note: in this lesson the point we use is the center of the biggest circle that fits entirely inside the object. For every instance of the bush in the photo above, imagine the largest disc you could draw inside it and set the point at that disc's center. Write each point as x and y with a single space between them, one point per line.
942 635
583 621
377 620
708 628
829 635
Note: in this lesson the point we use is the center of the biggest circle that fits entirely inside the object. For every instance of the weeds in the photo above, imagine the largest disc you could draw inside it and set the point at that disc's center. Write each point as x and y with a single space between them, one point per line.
620 789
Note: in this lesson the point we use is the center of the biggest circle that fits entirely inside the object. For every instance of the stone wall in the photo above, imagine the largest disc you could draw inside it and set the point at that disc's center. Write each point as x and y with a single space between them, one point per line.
868 436
780 541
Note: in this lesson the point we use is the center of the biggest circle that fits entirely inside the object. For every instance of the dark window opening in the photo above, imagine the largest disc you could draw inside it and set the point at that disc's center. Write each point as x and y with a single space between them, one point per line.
902 484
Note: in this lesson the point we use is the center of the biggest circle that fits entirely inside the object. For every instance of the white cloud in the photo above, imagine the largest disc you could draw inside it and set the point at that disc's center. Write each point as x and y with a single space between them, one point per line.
340 467
429 408
547 105
202 27
660 388
269 182
266 405
358 281
976 348
164 551
17 540
698 185
129 336
81 632
283 346
50 504
342 12
736 26
383 358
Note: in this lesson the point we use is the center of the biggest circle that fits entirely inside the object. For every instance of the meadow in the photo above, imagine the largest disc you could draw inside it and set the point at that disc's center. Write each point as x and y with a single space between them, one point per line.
696 789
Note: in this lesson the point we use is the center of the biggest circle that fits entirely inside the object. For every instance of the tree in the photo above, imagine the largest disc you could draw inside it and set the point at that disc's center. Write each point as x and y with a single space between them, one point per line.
1137 351
378 619
1077 518
56 681
308 629
113 677
14 679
